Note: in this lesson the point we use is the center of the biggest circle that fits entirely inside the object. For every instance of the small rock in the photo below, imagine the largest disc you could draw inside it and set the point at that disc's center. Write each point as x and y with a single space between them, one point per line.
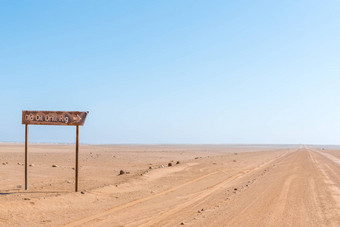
150 167
235 189
169 164
54 166
202 209
27 199
82 192
31 165
177 163
127 172
197 158
4 163
121 172
161 166
182 223
234 160
46 221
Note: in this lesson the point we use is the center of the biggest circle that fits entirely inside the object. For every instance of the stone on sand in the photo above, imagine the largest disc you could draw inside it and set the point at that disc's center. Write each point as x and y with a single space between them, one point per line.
121 172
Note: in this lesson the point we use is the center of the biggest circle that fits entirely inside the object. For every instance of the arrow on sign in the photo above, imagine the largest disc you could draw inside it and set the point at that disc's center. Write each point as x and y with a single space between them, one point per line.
77 119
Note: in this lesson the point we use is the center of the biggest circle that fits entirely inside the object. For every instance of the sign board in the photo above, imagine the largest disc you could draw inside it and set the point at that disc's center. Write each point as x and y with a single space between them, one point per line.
53 118
74 118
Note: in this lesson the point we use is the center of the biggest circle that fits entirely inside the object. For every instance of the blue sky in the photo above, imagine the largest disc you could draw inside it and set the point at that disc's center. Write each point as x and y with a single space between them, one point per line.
173 71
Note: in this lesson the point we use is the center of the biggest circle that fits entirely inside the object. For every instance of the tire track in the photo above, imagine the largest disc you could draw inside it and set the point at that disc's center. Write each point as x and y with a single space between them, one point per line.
279 208
3 220
328 156
132 203
155 221
333 187
202 195
293 194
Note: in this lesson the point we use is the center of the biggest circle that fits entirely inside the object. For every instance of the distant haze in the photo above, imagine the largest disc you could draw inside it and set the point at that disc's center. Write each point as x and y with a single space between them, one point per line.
173 71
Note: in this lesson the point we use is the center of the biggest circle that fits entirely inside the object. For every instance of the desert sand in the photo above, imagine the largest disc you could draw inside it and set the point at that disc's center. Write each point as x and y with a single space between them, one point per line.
205 185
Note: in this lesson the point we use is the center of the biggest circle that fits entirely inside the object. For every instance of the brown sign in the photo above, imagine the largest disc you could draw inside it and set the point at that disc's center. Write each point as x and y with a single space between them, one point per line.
53 117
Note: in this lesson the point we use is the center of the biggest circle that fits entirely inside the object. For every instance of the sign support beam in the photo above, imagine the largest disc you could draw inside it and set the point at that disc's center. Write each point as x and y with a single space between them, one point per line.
77 157
26 146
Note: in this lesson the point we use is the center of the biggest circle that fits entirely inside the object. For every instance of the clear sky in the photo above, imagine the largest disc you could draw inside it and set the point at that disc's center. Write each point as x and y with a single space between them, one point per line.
173 71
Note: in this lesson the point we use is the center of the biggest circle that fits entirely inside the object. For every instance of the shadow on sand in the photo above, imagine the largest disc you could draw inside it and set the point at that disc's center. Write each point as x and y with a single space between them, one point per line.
13 192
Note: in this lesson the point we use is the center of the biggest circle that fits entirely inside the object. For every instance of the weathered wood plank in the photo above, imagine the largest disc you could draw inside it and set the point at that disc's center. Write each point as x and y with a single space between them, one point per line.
73 118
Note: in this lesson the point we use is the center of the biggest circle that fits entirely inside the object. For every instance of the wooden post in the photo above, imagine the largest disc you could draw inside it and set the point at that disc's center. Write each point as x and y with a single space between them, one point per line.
77 155
26 144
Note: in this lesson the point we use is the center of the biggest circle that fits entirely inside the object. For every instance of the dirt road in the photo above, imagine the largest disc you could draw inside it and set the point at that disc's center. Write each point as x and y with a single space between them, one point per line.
282 187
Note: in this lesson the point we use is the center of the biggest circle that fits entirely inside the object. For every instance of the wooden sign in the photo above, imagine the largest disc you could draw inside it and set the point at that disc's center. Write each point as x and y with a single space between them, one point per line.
74 118
53 118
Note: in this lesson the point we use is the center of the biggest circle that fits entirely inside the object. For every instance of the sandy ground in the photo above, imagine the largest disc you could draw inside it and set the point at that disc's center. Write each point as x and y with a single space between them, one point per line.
211 186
